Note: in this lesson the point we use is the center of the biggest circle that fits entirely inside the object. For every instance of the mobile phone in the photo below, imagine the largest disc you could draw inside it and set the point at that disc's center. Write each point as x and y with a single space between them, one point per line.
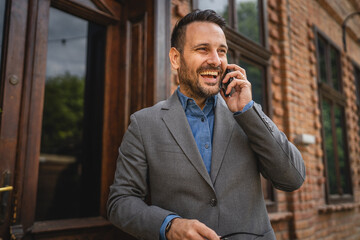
224 86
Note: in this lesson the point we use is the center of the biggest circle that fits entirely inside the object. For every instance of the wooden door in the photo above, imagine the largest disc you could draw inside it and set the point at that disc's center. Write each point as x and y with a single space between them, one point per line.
64 109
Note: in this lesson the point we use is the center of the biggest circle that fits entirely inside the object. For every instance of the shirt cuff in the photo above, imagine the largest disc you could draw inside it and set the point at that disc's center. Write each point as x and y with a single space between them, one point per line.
247 107
164 224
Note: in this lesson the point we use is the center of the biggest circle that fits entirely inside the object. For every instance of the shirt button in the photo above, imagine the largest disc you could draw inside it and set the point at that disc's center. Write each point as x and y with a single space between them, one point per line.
206 146
213 202
202 119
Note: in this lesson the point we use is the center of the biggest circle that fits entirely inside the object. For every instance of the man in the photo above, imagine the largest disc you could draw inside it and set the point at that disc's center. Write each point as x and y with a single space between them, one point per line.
197 157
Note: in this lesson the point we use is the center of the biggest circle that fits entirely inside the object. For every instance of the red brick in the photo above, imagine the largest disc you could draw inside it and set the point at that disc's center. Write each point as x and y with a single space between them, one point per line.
272 4
274 33
275 49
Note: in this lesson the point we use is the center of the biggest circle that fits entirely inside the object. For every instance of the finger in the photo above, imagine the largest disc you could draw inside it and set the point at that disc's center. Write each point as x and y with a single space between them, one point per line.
207 232
243 72
238 84
234 74
235 67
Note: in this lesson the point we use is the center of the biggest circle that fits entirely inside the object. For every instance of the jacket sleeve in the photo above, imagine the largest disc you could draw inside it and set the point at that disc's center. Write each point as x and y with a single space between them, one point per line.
126 207
279 160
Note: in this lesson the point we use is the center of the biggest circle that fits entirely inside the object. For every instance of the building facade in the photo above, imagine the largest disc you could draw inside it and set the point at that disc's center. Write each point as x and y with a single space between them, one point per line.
309 85
72 72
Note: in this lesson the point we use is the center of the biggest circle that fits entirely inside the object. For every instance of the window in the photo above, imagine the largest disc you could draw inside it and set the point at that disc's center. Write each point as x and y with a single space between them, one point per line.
332 104
247 48
357 83
242 16
70 154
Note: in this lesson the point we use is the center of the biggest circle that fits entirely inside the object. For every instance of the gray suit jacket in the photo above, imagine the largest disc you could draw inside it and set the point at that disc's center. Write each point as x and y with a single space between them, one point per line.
159 157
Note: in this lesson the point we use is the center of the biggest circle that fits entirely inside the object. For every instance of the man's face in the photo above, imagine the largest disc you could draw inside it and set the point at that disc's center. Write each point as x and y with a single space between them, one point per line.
203 60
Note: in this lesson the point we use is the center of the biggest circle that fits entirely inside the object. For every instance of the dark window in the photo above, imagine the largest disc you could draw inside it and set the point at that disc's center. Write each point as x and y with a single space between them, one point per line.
256 74
70 154
333 121
335 68
247 48
328 63
357 83
322 60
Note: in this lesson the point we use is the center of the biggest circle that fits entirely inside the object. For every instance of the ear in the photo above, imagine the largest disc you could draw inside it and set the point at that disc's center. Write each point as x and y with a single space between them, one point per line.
174 56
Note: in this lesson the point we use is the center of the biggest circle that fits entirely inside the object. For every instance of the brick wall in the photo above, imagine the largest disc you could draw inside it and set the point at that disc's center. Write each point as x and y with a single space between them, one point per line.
294 75
304 214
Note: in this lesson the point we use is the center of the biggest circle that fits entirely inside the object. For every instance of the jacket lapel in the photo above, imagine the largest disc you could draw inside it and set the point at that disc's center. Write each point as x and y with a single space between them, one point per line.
176 121
223 128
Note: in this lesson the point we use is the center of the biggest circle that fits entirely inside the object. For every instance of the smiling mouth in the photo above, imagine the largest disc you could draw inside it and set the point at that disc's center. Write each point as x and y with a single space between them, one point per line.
209 74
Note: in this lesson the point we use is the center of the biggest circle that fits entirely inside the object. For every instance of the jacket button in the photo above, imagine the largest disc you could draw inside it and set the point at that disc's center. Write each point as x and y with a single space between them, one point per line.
213 202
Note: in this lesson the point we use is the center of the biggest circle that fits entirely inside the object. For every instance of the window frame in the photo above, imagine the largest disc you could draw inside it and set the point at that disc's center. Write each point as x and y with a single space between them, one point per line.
335 98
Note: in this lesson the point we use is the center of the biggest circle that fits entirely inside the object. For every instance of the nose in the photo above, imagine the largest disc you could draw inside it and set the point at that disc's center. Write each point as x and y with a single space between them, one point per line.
214 59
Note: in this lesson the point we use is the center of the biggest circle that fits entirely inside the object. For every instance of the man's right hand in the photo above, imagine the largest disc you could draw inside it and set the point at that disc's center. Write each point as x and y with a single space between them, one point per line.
185 229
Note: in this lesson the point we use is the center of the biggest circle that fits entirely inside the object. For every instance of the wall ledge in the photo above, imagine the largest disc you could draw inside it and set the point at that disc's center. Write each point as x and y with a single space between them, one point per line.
337 207
280 216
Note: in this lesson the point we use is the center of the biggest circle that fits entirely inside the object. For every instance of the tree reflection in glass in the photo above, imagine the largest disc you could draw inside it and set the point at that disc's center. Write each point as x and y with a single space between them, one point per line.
70 154
255 76
248 19
344 180
329 145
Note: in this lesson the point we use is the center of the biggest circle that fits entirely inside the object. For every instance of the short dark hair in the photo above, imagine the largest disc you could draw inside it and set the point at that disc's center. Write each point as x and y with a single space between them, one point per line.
178 34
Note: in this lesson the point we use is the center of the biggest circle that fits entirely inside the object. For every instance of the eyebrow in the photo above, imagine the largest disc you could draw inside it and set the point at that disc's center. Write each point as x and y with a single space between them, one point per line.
207 44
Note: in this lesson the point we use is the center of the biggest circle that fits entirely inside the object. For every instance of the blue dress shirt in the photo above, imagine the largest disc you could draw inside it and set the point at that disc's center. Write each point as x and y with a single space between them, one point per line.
202 127
201 123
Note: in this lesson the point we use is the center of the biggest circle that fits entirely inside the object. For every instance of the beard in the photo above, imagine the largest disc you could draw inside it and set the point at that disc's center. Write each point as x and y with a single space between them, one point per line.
191 83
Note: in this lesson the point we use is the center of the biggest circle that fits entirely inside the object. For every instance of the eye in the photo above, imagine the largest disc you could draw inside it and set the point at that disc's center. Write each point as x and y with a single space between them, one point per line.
224 51
201 49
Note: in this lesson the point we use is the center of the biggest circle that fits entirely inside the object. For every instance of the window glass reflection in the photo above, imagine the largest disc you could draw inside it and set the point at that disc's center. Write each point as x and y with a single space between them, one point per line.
248 23
334 57
2 23
329 147
322 60
357 83
219 6
66 161
255 76
344 181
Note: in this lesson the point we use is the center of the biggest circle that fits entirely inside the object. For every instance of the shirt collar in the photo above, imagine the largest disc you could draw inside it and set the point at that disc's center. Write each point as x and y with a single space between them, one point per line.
184 100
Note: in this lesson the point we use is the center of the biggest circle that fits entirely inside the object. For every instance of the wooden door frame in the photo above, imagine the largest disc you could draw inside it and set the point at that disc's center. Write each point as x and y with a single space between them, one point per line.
26 118
13 67
31 115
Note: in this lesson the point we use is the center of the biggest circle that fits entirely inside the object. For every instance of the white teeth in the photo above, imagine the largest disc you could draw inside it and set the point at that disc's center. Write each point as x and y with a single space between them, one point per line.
209 73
